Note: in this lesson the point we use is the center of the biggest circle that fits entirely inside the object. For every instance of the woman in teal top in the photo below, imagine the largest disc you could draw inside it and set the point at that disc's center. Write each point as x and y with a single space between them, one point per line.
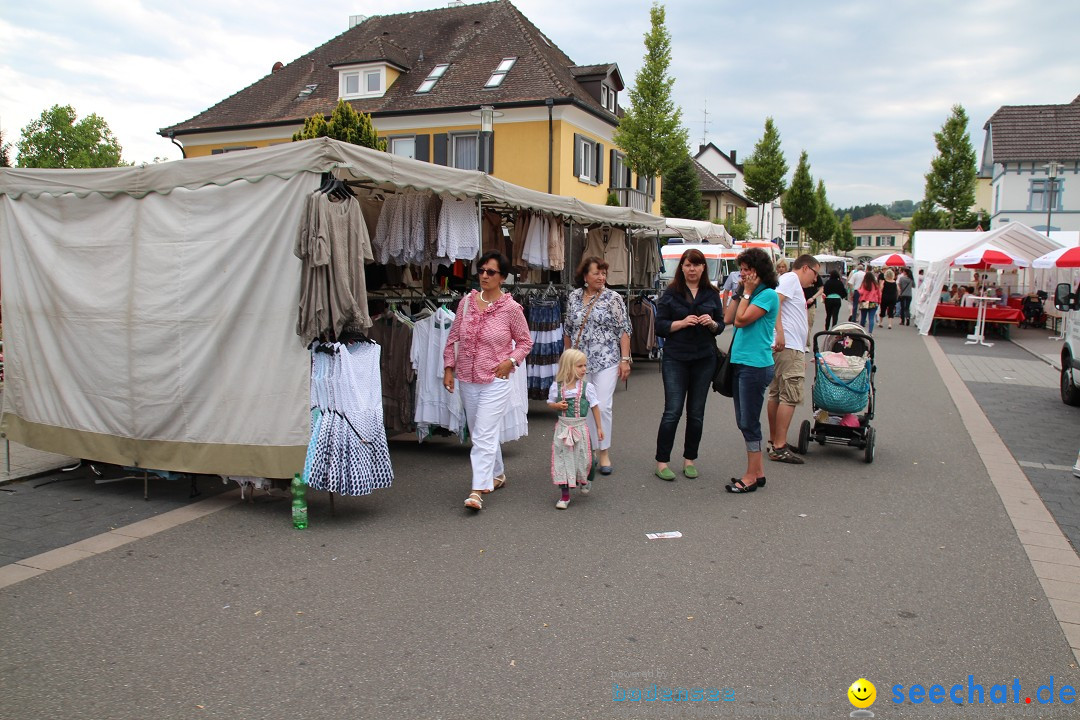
753 311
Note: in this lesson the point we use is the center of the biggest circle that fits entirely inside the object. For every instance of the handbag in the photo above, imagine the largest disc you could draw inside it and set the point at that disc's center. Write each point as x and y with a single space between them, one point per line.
723 380
867 305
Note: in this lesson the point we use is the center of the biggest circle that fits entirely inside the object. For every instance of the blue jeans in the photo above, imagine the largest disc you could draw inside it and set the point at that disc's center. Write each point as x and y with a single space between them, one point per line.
685 381
867 316
750 386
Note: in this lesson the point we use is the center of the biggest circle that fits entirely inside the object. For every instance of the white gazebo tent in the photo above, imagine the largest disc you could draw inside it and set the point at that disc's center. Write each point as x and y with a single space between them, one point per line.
150 312
698 231
934 252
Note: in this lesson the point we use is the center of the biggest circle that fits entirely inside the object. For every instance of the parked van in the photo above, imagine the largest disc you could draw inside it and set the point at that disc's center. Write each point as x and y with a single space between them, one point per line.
1068 302
719 261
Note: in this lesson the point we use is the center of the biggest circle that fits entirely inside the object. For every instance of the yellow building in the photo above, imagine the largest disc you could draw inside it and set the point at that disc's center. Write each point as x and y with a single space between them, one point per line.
424 77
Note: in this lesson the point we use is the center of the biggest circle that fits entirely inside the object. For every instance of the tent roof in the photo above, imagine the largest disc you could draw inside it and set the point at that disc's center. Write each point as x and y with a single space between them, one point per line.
370 168
1016 238
699 231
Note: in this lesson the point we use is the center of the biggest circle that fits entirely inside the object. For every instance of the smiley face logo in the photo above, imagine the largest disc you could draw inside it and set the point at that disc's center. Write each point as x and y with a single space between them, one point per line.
862 693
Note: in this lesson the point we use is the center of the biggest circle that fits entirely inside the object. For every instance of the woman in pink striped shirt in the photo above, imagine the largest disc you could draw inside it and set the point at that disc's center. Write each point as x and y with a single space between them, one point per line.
488 340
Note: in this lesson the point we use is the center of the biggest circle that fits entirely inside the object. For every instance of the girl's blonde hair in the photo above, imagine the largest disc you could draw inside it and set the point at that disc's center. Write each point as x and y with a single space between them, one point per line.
570 358
890 275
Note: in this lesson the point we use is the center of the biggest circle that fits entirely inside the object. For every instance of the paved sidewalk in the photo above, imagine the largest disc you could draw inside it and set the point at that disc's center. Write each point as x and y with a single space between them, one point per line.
18 461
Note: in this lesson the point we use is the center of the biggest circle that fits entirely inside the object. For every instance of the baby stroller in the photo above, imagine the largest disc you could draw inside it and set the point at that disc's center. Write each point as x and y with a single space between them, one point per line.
1034 310
843 388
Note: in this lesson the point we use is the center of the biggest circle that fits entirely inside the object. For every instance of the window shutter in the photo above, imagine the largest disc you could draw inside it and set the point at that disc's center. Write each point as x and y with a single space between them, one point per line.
489 164
577 156
440 141
612 155
599 164
422 147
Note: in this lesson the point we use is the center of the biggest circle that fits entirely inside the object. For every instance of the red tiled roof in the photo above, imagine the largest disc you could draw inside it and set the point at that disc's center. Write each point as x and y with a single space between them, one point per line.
473 39
1035 132
878 222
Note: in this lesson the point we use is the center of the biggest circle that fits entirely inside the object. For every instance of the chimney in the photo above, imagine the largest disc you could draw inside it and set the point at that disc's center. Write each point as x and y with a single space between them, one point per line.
355 20
700 149
732 157
277 66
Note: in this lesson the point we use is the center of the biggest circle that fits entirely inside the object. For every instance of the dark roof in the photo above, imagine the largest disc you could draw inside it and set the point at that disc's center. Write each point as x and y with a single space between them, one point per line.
710 183
605 70
1035 132
472 38
878 222
703 148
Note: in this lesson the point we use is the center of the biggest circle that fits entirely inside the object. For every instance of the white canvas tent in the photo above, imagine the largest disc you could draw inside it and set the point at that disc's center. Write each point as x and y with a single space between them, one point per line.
698 231
934 251
149 312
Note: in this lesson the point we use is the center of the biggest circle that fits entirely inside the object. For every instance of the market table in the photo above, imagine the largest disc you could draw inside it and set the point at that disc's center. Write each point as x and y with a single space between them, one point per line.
1004 316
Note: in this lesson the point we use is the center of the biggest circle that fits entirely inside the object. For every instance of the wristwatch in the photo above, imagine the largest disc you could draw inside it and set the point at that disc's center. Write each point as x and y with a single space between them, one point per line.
514 362
627 359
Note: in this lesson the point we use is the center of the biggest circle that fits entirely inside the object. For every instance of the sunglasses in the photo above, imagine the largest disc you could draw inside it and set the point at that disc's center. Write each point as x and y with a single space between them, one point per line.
487 271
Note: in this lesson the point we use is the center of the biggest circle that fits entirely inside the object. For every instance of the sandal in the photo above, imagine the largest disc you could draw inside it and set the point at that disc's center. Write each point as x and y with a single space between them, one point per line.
474 501
499 481
737 486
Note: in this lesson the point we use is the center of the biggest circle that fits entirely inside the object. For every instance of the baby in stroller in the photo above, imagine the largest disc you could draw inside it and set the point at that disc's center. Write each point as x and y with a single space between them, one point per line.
1034 310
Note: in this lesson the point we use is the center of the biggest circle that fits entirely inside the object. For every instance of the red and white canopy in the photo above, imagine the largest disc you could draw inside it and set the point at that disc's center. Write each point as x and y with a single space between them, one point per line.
987 256
1064 258
893 260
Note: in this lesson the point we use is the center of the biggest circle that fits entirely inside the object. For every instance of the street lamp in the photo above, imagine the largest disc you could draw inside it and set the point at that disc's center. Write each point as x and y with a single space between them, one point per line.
487 115
1051 174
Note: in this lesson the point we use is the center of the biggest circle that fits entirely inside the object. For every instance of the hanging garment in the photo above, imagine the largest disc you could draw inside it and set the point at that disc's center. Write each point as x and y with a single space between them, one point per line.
609 243
434 405
545 327
646 260
459 230
643 327
517 237
535 252
556 244
348 453
396 372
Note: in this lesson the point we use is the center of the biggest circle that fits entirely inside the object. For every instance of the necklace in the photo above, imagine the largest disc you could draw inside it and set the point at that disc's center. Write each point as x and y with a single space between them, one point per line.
484 299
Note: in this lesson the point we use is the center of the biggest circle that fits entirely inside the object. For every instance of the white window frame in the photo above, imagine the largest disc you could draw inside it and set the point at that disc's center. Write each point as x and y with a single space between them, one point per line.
603 94
361 73
500 72
1039 189
402 140
451 148
611 99
618 171
433 77
586 150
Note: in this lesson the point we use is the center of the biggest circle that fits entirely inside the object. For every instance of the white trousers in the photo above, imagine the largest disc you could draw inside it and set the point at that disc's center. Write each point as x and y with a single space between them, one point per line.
485 404
604 382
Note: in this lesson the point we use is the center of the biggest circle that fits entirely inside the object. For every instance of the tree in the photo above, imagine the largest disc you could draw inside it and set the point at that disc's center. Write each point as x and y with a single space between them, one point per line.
950 184
764 170
799 203
823 227
612 199
737 225
681 195
346 125
5 159
844 240
56 140
925 217
650 132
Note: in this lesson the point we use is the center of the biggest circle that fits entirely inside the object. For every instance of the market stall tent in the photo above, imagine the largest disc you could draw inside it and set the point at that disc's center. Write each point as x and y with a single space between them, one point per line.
150 312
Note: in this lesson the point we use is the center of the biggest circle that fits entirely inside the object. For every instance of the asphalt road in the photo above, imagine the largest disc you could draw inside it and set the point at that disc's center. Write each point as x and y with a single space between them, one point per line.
402 605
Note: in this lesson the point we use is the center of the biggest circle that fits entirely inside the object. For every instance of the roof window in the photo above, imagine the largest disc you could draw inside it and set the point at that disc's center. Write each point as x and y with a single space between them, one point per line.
432 78
306 92
499 74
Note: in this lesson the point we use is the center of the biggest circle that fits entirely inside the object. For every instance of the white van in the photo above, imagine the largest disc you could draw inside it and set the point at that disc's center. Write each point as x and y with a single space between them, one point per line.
1068 302
719 261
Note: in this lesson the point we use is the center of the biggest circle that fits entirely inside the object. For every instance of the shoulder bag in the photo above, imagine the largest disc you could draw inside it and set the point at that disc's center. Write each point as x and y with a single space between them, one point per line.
723 380
584 319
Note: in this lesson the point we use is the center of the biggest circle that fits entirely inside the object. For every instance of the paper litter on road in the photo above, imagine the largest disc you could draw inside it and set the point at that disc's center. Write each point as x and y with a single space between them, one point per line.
664 535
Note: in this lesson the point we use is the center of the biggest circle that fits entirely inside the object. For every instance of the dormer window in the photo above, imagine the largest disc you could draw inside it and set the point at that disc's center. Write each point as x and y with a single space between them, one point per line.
361 81
607 97
499 73
432 78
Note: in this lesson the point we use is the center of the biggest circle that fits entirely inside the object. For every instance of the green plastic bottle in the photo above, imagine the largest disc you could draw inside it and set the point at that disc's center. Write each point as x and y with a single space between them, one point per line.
299 503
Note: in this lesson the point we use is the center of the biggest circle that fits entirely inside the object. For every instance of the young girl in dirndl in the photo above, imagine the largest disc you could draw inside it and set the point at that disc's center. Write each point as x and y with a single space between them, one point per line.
571 448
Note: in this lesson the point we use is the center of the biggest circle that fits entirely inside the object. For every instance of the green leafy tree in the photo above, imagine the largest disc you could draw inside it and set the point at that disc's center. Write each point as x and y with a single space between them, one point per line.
58 139
799 202
650 132
823 227
346 125
5 158
765 169
950 184
844 240
681 194
737 225
612 200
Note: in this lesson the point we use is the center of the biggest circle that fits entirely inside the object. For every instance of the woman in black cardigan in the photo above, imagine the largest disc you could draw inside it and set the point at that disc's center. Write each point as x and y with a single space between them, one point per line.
835 293
690 316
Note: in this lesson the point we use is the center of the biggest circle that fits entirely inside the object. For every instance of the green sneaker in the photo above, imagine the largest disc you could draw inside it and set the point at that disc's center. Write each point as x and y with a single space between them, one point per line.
690 471
665 474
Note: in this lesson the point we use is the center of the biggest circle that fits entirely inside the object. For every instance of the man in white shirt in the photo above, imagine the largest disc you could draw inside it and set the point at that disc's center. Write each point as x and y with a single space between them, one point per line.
853 282
789 355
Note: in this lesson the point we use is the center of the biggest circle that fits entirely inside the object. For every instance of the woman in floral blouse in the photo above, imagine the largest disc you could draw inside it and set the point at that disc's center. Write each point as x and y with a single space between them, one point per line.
597 324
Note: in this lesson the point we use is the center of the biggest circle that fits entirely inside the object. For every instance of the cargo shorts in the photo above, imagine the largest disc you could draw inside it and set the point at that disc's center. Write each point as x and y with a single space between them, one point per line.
790 371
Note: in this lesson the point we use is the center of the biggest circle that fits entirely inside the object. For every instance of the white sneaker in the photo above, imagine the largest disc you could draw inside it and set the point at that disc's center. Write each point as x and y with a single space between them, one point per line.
562 504
584 488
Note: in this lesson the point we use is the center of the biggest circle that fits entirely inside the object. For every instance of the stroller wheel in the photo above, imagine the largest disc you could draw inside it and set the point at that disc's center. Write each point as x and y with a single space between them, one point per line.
868 450
804 437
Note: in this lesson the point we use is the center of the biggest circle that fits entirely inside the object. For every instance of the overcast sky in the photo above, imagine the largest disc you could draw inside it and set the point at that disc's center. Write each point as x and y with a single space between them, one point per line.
860 85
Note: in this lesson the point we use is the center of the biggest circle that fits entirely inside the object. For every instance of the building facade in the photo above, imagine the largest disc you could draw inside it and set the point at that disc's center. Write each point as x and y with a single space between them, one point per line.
878 235
1032 155
423 77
